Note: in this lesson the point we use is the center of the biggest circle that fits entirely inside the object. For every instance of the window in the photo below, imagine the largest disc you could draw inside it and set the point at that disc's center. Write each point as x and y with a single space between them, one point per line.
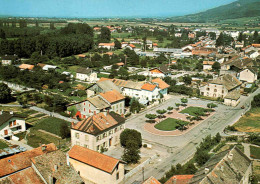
97 148
14 122
85 145
215 90
115 130
98 138
84 109
117 176
207 89
86 137
10 124
77 135
104 135
110 132
77 143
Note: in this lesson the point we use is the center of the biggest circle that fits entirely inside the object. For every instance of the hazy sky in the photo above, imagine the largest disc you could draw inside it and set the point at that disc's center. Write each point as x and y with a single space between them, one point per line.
106 8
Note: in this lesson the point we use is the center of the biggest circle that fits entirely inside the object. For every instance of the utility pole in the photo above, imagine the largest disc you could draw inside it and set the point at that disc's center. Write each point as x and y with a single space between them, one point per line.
143 173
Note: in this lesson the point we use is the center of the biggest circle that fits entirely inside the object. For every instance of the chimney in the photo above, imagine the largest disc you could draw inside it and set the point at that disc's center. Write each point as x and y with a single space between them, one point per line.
11 112
122 115
206 171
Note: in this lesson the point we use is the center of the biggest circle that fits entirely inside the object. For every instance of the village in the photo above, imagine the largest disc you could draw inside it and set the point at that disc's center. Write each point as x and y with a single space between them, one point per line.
113 103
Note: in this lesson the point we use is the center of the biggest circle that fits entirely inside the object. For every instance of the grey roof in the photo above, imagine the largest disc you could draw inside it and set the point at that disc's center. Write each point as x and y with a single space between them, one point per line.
98 102
225 167
233 95
227 80
84 70
171 50
128 84
108 85
5 116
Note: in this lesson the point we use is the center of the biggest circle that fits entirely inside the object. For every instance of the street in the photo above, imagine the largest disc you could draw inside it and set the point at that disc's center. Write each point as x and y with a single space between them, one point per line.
182 147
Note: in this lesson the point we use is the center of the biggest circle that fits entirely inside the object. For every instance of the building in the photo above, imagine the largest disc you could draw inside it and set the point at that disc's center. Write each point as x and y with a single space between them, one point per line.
116 101
86 74
11 124
98 132
18 168
231 166
220 86
151 180
102 87
232 98
95 167
108 46
248 75
179 179
161 72
8 60
163 86
207 65
26 67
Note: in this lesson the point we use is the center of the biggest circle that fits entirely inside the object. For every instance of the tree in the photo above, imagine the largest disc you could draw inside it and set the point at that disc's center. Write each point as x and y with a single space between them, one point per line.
117 44
123 73
184 100
256 101
105 35
130 134
255 37
218 137
52 26
151 117
187 79
216 66
5 93
135 106
2 34
202 157
220 40
161 112
211 105
64 130
131 152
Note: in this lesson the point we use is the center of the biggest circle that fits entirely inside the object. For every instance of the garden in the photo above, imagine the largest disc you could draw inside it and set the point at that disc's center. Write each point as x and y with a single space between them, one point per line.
170 124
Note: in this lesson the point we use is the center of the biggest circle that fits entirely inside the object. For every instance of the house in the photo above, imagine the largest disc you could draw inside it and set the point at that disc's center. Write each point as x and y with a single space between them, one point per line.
163 86
155 45
232 98
102 87
130 46
108 46
207 65
179 179
248 75
253 54
151 180
91 106
230 166
11 124
149 44
236 64
116 101
220 86
26 67
161 72
81 55
124 44
257 46
86 74
20 165
95 167
167 50
98 132
8 59
49 67
54 167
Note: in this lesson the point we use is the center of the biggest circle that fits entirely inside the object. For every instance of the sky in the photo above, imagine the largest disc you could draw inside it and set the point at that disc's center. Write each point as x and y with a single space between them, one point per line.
106 8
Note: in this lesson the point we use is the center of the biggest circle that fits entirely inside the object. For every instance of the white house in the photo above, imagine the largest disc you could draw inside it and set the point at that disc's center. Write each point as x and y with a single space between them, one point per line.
86 74
11 124
248 75
109 46
207 65
98 132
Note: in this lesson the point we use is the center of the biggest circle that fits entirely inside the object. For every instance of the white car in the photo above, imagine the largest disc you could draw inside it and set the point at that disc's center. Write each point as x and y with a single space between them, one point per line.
194 98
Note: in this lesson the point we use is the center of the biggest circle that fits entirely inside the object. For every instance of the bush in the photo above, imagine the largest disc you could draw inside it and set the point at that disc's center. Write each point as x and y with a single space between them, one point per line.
231 128
211 105
231 138
145 145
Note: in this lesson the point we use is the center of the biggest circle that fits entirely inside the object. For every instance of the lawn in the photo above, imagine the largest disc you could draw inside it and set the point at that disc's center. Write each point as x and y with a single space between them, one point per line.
51 124
194 111
170 124
255 152
3 145
249 122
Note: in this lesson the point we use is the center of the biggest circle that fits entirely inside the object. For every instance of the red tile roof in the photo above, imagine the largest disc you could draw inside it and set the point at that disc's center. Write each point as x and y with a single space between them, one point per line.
107 44
161 83
112 96
24 177
132 45
256 45
151 180
208 62
98 123
148 87
26 66
93 158
179 179
22 160
120 64
104 79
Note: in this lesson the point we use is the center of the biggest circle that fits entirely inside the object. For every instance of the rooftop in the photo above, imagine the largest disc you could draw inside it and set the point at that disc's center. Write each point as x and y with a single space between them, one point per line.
98 102
179 179
112 96
99 123
229 81
26 66
54 164
208 62
22 160
84 70
233 95
151 180
93 158
5 116
107 85
149 87
161 83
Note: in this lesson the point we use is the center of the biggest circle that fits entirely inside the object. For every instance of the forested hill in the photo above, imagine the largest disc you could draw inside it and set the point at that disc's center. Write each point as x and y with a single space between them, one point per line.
237 9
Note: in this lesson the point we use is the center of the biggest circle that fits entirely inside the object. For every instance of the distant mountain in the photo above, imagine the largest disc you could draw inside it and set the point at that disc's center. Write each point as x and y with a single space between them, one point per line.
237 9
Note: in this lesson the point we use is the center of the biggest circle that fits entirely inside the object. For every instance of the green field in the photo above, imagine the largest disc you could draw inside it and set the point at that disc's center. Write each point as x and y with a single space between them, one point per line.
255 152
52 125
3 145
249 122
194 111
170 124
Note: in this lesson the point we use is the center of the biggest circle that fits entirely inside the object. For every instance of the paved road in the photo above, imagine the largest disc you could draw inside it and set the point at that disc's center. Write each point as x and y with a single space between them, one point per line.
183 147
56 115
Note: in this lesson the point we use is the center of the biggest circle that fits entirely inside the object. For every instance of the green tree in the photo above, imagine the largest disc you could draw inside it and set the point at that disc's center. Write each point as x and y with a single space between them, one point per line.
187 79
2 34
255 37
130 134
5 93
64 130
117 44
151 117
131 152
184 100
220 40
202 157
105 35
135 106
211 105
216 66
123 73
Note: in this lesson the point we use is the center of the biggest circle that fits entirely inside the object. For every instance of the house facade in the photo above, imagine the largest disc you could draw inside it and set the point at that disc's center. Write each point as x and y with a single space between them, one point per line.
95 167
248 75
108 46
11 124
207 65
98 132
86 74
